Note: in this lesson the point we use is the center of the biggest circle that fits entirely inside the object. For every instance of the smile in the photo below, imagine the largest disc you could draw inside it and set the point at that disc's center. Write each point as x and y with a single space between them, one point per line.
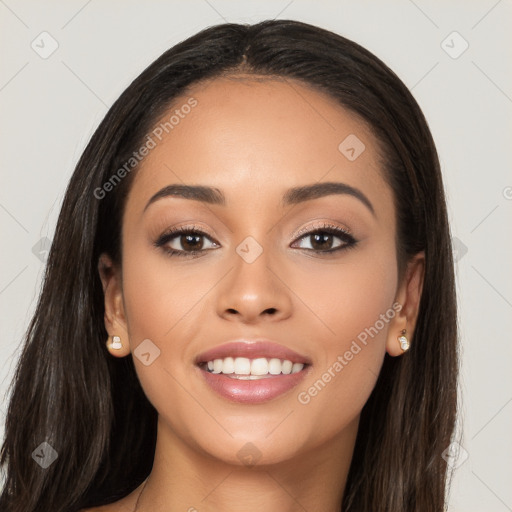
252 369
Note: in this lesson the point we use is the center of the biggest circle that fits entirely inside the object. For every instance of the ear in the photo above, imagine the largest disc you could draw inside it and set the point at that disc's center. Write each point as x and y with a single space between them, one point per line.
407 302
115 321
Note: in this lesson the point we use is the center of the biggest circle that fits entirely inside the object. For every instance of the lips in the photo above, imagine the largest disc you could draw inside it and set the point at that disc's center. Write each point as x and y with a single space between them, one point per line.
252 389
252 350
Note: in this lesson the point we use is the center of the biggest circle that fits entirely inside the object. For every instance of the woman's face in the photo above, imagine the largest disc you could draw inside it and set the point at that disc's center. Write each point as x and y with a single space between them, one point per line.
260 273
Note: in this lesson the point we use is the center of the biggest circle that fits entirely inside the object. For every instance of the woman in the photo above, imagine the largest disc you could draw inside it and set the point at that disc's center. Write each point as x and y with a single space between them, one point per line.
249 301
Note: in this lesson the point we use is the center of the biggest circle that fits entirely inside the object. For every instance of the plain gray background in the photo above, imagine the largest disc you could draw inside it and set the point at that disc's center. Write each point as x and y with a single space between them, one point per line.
50 107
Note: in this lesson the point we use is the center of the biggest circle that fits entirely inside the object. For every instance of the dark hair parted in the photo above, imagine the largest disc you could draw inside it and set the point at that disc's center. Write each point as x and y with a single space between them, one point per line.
90 407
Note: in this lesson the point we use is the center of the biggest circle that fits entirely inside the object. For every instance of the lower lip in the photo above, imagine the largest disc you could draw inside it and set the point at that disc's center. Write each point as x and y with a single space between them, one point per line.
252 391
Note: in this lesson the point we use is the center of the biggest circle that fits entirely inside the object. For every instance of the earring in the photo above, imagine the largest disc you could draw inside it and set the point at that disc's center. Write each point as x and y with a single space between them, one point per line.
404 342
115 343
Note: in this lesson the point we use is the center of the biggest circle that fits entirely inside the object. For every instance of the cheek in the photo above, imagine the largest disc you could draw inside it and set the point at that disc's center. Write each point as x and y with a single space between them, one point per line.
164 300
159 294
160 305
349 297
355 304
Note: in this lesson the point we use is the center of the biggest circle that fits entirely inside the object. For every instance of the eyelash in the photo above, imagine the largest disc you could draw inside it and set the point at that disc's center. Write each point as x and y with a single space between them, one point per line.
345 236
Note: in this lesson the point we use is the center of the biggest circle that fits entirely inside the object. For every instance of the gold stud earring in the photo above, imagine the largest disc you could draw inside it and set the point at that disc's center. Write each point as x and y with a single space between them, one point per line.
114 342
404 342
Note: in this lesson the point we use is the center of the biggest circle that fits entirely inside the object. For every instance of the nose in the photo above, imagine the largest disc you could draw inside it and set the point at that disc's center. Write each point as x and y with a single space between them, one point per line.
254 292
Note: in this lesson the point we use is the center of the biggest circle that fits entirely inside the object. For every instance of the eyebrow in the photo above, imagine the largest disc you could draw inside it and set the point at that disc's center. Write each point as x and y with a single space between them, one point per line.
292 196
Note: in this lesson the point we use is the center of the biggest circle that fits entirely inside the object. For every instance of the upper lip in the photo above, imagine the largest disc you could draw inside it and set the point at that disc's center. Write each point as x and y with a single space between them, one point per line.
251 349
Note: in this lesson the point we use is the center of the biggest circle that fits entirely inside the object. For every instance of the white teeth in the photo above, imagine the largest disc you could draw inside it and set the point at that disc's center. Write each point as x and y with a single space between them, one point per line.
250 369
274 366
286 367
217 365
242 366
259 366
297 367
228 365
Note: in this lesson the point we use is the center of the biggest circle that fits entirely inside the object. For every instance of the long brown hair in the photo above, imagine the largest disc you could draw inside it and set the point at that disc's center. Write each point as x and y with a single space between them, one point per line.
90 407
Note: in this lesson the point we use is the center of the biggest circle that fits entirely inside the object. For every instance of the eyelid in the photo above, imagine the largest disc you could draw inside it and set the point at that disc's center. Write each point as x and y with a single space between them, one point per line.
186 227
180 228
323 224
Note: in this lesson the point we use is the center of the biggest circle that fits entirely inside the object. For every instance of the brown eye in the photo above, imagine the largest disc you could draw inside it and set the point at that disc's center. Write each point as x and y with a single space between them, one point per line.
324 240
184 241
321 241
191 242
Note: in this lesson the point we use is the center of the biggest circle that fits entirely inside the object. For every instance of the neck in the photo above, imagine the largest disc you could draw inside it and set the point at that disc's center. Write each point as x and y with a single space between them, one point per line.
186 478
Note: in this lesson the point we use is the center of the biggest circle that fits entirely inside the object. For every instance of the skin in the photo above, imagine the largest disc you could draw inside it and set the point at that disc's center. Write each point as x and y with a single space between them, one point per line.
254 139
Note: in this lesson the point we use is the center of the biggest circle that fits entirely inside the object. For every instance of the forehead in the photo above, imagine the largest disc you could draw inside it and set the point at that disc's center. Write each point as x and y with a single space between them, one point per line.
255 137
